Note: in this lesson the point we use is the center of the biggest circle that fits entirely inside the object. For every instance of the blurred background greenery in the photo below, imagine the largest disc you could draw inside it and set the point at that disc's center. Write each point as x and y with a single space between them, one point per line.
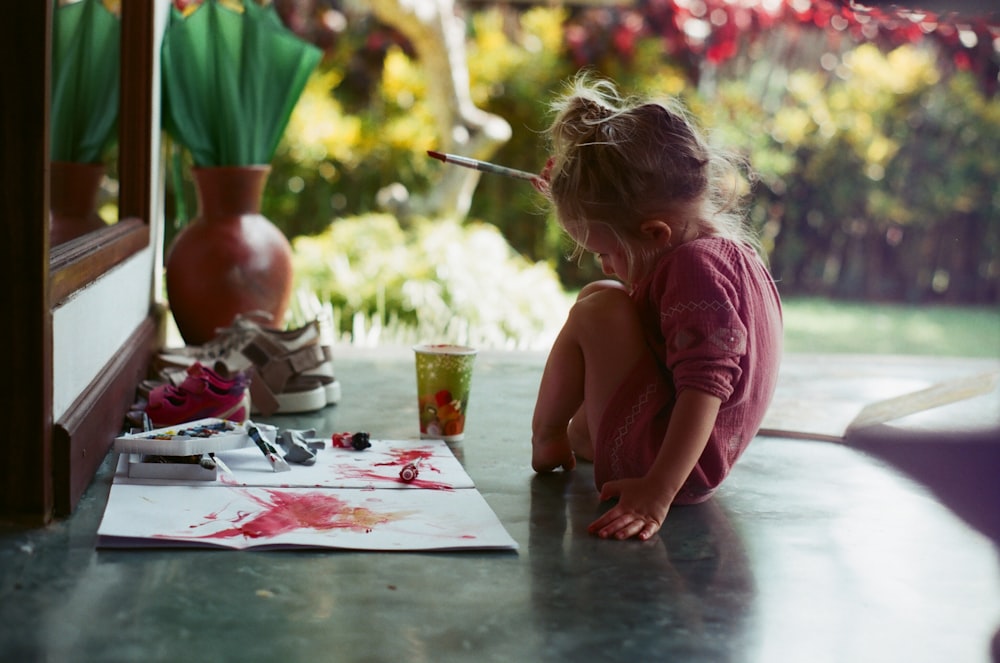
876 139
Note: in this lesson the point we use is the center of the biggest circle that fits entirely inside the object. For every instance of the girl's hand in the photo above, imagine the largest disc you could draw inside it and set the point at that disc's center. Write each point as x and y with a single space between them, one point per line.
641 509
643 503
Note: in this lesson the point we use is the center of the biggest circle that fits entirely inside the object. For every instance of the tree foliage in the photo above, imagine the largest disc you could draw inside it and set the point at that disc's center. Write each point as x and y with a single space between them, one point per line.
875 135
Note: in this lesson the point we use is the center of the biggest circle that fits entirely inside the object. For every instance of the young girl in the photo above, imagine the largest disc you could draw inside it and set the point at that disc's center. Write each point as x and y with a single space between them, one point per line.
661 379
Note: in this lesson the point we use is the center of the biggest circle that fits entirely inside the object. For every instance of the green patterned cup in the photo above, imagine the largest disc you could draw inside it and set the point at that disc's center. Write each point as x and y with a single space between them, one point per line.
444 376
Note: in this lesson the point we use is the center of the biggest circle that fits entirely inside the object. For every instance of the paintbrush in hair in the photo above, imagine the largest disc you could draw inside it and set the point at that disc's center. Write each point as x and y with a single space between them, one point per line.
484 166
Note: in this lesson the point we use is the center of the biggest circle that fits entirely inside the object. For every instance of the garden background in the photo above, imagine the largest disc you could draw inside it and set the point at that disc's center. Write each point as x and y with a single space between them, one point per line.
875 138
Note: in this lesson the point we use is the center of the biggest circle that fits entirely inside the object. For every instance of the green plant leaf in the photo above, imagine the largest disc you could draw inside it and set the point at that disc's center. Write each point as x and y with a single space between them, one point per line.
231 80
85 81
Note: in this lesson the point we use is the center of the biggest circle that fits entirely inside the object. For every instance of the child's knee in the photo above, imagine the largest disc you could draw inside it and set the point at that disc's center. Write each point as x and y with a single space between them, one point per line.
605 300
600 286
609 311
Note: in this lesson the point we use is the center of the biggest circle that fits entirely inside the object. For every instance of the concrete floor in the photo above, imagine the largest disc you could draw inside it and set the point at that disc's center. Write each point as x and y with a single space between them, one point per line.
811 551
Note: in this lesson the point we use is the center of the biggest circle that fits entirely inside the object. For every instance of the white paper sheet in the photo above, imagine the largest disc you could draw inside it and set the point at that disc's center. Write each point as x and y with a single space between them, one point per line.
348 500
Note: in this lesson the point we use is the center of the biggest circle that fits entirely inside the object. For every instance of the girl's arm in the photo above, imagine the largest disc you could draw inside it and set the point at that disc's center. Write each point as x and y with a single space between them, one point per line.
643 502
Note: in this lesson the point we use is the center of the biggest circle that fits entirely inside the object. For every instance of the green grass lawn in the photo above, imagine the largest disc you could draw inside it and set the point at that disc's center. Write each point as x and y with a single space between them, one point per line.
821 325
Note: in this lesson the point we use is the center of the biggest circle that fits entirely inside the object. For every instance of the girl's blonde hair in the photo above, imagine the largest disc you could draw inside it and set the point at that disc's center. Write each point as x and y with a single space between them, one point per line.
623 161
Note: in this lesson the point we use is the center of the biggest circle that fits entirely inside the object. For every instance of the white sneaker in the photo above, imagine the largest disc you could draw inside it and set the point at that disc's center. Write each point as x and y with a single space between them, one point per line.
292 370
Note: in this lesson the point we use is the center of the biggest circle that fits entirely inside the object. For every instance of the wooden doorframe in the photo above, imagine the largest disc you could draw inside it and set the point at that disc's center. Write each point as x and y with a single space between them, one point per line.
26 335
44 465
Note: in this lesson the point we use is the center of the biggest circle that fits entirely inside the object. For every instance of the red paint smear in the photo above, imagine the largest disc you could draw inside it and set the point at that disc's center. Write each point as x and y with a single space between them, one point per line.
424 483
288 512
407 456
370 475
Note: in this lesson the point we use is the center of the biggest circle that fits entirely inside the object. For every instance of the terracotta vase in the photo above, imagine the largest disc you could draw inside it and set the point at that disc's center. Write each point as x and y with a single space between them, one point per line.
229 259
73 200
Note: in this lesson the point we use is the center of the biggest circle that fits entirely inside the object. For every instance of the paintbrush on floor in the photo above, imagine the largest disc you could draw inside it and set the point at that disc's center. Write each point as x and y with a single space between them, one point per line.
278 463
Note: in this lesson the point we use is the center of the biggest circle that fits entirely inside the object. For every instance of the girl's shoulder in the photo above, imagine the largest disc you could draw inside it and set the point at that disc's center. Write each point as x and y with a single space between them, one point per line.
707 259
707 252
712 246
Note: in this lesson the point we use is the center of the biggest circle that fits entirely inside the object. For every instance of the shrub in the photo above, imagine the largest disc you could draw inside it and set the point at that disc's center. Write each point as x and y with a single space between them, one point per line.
433 281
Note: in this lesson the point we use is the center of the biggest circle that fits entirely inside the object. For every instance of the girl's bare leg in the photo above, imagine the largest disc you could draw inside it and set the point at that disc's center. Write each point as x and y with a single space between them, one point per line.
594 352
579 436
560 395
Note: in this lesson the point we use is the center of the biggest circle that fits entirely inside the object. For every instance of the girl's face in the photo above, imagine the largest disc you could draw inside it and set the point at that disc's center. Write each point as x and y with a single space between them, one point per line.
606 247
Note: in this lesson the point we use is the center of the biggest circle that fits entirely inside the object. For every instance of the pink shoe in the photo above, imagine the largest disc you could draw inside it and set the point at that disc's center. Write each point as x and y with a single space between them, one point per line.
203 393
293 368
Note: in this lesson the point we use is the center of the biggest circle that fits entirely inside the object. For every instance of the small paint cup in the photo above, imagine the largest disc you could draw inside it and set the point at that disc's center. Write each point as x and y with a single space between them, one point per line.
444 377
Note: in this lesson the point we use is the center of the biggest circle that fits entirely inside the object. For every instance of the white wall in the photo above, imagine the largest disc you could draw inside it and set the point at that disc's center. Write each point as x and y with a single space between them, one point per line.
90 327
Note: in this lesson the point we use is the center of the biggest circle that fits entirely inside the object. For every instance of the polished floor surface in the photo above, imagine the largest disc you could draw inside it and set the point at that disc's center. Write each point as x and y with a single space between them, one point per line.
811 551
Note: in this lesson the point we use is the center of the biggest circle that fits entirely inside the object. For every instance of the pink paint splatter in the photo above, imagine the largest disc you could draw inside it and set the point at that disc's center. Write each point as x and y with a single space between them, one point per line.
406 456
399 458
424 483
287 512
373 476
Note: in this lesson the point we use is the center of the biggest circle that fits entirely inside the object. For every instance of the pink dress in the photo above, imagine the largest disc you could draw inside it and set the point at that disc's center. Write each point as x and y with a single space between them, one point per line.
713 319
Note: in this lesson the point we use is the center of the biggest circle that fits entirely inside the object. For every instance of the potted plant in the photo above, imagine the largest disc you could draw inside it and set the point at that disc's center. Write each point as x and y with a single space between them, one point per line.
232 73
83 113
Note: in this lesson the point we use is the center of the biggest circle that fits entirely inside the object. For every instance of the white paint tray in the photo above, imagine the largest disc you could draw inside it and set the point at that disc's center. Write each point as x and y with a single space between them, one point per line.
184 440
168 471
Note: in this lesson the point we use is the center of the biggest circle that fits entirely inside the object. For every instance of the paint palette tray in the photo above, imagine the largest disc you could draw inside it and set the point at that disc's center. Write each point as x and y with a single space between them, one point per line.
193 438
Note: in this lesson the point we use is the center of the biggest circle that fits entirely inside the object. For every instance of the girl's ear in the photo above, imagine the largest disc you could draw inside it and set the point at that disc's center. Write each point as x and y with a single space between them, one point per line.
657 231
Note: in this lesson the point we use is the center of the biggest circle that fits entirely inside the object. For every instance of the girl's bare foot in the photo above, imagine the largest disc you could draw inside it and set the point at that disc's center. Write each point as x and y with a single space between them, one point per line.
579 438
551 452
